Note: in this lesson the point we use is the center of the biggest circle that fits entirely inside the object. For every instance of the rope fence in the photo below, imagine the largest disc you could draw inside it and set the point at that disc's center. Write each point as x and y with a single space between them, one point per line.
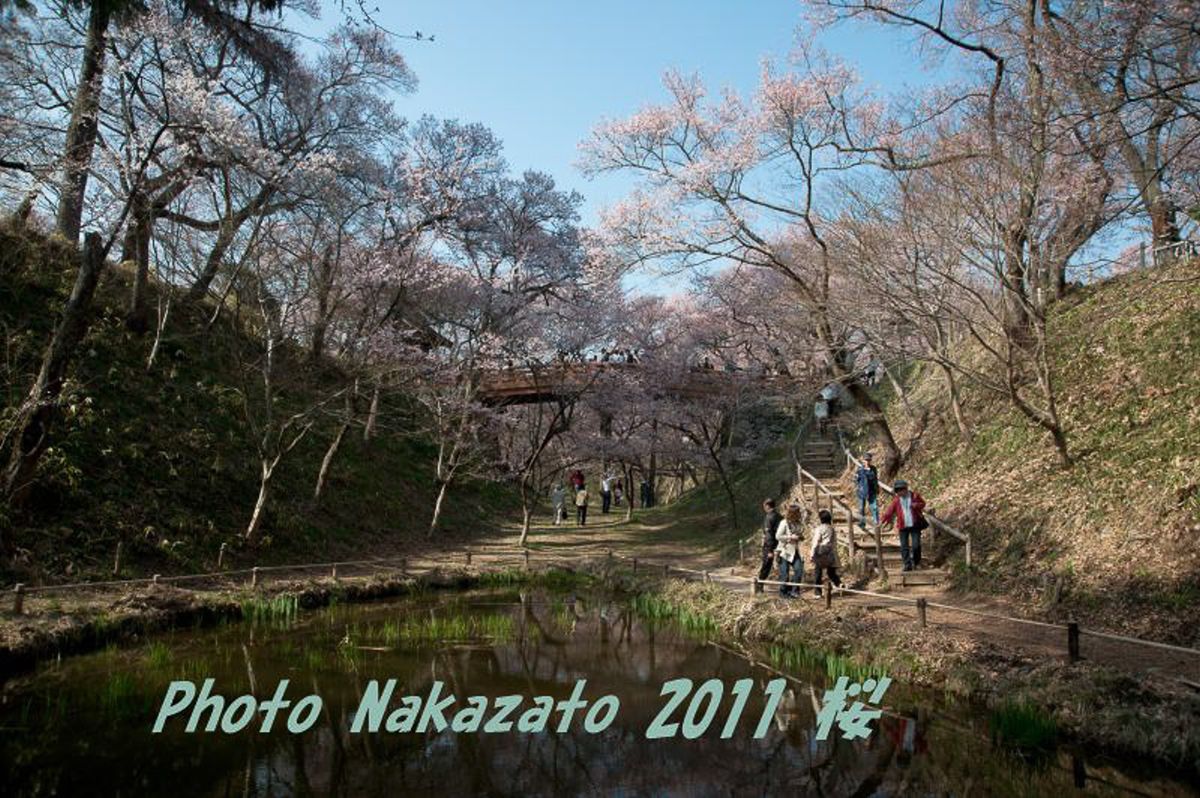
522 557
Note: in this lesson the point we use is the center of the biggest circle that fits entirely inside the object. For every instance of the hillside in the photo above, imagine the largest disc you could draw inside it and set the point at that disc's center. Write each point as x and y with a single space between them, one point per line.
1117 536
163 460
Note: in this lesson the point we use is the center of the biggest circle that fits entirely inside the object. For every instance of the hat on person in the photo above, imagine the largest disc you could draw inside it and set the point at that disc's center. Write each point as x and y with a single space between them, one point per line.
867 456
899 485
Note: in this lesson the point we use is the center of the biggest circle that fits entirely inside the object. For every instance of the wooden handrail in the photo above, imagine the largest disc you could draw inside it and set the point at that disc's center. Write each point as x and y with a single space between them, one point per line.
934 521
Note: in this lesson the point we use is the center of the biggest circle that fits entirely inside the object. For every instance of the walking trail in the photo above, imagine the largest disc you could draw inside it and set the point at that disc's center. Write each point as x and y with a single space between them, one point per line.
655 541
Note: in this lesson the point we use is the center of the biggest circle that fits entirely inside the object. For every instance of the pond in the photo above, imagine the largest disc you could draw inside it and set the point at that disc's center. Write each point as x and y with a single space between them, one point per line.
84 726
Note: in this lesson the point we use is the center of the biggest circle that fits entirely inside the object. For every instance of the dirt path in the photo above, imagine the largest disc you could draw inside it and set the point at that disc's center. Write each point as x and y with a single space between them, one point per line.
1010 637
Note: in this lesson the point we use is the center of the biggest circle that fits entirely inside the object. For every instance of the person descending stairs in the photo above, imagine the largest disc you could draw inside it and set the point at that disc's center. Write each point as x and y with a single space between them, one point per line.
821 456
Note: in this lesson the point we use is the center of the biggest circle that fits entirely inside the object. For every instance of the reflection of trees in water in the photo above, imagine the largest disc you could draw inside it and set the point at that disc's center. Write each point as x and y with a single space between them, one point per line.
553 645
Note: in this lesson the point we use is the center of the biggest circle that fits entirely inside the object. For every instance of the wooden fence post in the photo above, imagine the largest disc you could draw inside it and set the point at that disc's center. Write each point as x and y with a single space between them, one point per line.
635 565
879 551
707 578
221 558
667 571
921 611
850 532
468 557
755 587
117 559
1073 641
154 579
403 565
254 576
828 593
333 572
19 599
526 559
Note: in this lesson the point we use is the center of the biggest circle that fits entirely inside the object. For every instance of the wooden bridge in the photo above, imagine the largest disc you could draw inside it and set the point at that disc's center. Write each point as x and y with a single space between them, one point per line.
527 385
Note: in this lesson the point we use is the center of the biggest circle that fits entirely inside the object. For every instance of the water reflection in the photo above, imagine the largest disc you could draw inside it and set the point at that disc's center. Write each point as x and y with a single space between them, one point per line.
83 727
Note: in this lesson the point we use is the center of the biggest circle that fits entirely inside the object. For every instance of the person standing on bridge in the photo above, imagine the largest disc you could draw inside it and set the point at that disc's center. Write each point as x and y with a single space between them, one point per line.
770 526
581 504
866 482
606 493
824 550
908 511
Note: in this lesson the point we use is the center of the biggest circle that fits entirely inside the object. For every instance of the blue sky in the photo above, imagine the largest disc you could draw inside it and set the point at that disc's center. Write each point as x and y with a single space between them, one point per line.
541 73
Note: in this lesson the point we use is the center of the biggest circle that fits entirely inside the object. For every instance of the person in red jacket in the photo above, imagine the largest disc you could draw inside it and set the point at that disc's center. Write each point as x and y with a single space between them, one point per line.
908 511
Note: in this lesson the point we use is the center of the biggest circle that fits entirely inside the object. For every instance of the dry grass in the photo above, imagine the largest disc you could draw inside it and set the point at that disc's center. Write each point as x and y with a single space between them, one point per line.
1116 537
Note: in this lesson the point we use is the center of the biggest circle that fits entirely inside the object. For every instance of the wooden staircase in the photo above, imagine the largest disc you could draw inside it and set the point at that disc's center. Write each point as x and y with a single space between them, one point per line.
821 456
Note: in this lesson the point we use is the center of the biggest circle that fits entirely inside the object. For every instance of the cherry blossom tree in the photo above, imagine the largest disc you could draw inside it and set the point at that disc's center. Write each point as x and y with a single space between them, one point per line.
740 181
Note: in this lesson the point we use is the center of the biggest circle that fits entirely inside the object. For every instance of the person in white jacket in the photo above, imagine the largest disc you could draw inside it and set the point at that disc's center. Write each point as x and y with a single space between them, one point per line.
787 552
823 551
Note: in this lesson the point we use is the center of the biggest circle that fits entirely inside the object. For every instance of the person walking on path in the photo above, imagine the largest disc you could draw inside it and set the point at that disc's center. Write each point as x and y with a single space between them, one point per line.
606 493
647 493
824 550
907 510
770 525
581 504
866 481
558 497
821 413
791 564
577 480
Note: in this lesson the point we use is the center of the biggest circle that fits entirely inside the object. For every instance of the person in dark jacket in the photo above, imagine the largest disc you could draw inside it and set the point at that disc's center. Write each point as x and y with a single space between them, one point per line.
908 511
770 542
647 494
866 482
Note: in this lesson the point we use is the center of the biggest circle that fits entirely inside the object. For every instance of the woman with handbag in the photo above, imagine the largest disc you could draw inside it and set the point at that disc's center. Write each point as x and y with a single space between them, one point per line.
787 551
824 550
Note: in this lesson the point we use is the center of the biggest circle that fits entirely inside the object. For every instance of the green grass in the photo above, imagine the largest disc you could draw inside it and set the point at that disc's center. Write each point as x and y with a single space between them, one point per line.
437 629
158 654
796 657
653 609
279 610
1021 725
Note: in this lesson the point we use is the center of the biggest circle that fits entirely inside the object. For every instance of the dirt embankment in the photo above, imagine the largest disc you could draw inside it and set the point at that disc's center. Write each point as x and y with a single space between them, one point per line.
95 623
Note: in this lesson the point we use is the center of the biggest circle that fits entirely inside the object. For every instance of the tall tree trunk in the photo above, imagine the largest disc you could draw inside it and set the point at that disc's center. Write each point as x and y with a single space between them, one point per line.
31 427
81 130
331 452
629 494
260 504
372 415
443 488
1163 224
321 322
212 264
964 430
526 511
136 249
327 460
880 430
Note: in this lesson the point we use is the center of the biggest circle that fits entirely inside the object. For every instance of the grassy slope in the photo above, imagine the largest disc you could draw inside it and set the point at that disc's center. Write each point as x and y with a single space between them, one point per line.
164 460
1121 528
